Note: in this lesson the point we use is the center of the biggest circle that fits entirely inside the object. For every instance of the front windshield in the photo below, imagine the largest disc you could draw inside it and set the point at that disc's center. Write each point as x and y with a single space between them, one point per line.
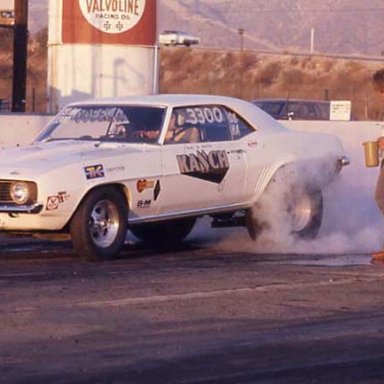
105 123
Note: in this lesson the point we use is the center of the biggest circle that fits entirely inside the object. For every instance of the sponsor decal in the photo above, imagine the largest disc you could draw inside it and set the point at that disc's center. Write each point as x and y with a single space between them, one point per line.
144 184
53 202
94 171
157 190
212 166
112 16
252 144
144 203
120 168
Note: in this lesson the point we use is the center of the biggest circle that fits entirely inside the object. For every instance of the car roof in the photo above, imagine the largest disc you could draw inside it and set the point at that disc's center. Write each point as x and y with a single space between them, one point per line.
170 100
291 100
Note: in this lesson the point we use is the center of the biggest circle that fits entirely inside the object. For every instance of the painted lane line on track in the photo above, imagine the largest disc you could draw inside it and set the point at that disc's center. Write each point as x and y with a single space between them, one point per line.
201 295
218 293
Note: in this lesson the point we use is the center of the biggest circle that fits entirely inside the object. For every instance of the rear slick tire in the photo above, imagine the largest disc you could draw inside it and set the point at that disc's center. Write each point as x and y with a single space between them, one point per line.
300 212
305 211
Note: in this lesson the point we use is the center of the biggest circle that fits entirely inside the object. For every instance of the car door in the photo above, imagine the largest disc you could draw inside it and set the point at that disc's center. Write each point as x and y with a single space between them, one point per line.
145 182
207 174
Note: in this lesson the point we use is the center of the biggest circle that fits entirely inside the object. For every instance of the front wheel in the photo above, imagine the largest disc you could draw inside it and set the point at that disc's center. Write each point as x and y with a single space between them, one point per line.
99 226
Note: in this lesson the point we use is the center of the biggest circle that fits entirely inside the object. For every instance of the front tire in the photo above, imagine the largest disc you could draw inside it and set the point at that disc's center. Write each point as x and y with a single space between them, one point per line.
99 226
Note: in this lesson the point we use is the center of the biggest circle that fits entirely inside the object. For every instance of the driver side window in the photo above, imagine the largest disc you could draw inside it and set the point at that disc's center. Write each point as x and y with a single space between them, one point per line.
180 130
205 123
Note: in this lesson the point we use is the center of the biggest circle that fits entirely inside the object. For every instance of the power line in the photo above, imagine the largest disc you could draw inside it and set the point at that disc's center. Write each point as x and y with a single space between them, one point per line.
282 10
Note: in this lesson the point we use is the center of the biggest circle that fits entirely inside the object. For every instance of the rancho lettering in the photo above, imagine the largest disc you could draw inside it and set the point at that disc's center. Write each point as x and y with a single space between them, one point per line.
211 166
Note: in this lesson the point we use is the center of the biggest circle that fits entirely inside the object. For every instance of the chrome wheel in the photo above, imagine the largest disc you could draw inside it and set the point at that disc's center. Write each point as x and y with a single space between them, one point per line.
99 225
300 211
104 223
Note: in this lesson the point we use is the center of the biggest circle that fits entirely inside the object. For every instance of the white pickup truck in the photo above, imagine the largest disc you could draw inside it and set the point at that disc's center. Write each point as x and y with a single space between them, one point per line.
177 38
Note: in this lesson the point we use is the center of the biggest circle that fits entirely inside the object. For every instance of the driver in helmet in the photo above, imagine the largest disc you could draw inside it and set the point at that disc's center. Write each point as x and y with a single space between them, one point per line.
179 131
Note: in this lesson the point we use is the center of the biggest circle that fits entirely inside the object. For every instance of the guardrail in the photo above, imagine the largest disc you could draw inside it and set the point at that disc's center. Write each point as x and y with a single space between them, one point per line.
20 129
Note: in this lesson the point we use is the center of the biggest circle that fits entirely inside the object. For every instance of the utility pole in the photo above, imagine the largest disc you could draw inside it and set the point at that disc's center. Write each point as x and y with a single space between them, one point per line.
312 41
20 46
241 33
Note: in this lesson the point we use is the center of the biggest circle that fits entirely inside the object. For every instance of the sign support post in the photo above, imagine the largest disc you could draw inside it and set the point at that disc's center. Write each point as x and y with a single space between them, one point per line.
20 46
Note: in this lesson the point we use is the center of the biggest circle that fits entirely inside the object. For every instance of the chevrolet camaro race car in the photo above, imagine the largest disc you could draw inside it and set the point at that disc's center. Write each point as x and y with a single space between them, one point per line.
154 164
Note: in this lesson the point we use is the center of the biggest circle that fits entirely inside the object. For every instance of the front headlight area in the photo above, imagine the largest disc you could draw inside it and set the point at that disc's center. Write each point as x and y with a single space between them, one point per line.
23 192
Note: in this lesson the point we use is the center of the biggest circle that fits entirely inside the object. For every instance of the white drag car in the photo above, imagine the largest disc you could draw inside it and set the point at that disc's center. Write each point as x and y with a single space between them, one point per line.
154 164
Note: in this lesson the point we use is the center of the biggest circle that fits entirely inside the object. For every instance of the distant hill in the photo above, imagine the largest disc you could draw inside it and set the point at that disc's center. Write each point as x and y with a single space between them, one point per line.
348 27
248 75
340 26
37 15
251 75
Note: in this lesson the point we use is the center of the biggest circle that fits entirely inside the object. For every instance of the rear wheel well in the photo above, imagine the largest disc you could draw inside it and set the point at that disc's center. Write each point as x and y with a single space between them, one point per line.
288 198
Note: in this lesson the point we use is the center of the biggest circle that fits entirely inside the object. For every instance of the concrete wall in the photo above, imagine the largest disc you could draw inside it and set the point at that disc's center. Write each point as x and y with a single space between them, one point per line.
20 129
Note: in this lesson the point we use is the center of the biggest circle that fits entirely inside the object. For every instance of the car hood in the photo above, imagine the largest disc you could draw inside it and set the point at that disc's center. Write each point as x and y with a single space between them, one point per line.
39 158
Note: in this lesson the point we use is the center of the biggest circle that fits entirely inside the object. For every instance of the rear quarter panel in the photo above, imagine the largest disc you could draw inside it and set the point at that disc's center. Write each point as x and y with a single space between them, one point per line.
312 157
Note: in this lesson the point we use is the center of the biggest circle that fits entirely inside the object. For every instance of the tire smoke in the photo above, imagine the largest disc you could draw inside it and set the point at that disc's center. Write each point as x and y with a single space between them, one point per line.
352 223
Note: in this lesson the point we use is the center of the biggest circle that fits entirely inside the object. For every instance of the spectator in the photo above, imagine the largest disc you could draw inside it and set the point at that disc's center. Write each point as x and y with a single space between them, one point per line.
379 193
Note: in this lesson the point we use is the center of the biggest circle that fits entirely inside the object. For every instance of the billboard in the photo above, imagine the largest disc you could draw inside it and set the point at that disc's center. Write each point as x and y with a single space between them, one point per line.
101 48
128 22
340 110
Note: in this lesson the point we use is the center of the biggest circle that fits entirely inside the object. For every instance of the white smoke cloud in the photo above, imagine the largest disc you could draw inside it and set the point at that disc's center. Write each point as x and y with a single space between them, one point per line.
352 223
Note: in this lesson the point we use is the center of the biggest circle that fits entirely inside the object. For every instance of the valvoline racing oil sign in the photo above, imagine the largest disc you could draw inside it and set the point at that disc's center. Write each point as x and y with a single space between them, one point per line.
128 22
